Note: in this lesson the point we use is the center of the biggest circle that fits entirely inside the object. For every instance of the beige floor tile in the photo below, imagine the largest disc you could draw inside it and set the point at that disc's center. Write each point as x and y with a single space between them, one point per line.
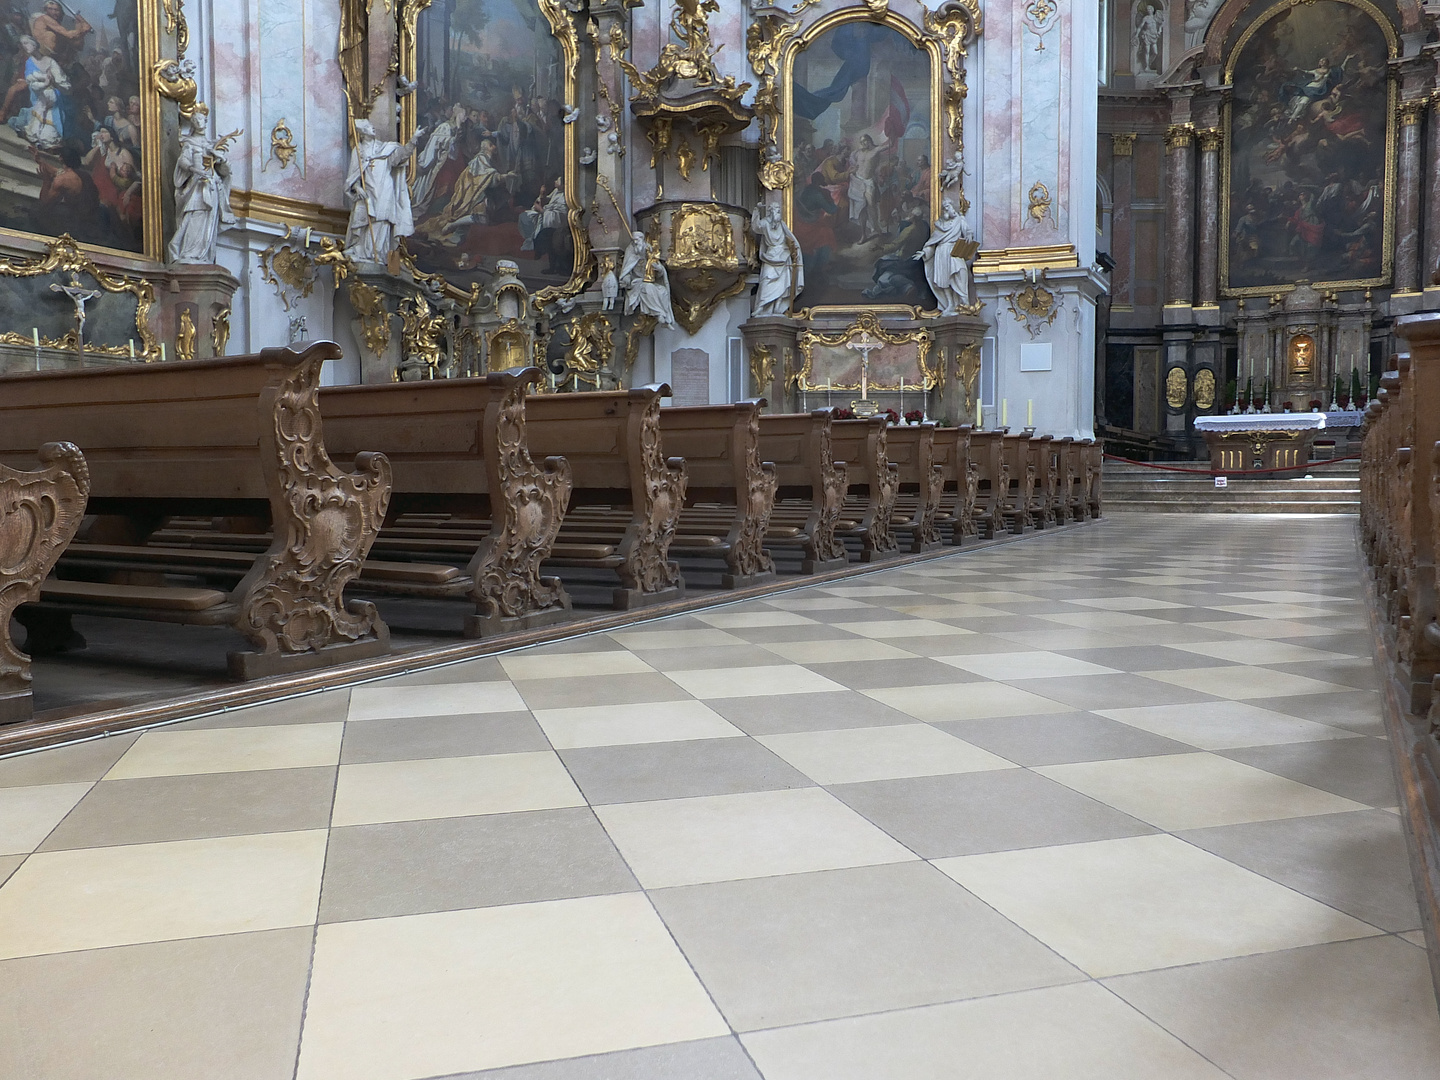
451 787
461 991
1077 1032
525 665
1281 596
950 611
1244 682
752 682
1117 906
1269 628
806 600
853 755
865 590
986 596
384 702
1415 937
94 898
29 814
616 725
1102 620
745 620
1126 603
1259 652
836 652
725 837
674 639
1195 791
1279 611
217 750
965 701
1036 664
1065 639
901 628
1224 725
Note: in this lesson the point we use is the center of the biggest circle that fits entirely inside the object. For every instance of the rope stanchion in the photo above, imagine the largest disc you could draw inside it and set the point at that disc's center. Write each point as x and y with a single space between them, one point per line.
1238 473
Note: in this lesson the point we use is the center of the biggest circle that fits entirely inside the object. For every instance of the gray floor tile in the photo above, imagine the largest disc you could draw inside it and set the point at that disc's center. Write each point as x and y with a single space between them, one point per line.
1356 1010
969 813
1351 644
1110 691
803 947
677 770
1359 673
65 764
708 1059
1357 711
781 713
323 708
873 611
817 631
871 674
484 669
445 864
715 656
1144 658
586 643
1060 739
160 808
1001 624
1356 862
223 1008
1358 769
414 737
599 690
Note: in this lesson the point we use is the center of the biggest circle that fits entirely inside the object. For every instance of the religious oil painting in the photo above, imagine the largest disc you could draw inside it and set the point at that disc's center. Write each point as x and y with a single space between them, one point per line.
73 149
888 365
859 121
490 175
1309 165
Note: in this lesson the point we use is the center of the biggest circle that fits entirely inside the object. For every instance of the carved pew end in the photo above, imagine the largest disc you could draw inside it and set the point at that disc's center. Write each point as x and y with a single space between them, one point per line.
263 665
626 599
489 625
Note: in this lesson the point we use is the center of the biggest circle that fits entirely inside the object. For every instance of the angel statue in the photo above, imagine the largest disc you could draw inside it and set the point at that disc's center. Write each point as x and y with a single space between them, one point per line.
782 270
202 192
646 284
946 256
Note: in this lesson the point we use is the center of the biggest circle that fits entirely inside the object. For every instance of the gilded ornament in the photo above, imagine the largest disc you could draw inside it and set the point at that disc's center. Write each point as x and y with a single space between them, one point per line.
422 336
1204 389
1039 208
703 237
185 336
967 370
1210 139
220 331
282 144
369 306
866 327
174 80
685 158
1178 136
1034 305
289 269
176 25
1122 144
762 370
592 341
1177 388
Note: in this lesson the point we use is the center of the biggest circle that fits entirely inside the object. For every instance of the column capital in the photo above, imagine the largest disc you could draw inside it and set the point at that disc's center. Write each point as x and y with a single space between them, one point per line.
1411 112
1179 136
1211 138
1123 143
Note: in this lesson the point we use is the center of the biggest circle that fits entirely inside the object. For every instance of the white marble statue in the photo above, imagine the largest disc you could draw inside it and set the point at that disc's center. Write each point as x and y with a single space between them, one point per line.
947 271
1197 20
646 284
380 196
782 270
202 194
609 283
1149 35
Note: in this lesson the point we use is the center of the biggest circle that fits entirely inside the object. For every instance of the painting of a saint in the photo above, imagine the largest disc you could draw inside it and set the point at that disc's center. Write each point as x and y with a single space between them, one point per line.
862 146
489 176
70 123
1310 140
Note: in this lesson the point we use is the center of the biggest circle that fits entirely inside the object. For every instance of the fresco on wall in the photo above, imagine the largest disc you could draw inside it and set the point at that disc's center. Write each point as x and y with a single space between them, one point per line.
1308 155
70 125
861 205
489 180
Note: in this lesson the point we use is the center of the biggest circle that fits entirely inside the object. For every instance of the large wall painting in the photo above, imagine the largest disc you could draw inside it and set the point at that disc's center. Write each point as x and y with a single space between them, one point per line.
79 133
496 163
859 106
1309 161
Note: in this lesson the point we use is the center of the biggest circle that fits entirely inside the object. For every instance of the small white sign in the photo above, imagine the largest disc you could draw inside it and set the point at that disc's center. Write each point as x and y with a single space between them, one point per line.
1220 481
1035 356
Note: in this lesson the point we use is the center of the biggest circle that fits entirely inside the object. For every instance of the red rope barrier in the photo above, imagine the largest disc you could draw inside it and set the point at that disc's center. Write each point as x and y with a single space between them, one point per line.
1241 473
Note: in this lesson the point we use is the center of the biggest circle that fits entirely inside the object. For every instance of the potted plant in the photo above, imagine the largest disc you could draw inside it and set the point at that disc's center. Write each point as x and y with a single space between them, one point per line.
914 416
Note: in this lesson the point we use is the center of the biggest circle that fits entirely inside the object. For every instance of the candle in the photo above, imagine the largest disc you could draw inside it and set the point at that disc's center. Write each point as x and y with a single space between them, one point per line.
979 419
162 352
35 333
307 235
864 383
132 348
1004 412
1030 412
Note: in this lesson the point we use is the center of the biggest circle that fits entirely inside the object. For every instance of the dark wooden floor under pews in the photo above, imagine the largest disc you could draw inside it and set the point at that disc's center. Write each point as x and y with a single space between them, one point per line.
229 554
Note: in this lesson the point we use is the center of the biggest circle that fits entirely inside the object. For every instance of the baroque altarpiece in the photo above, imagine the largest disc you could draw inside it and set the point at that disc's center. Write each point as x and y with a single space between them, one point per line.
816 202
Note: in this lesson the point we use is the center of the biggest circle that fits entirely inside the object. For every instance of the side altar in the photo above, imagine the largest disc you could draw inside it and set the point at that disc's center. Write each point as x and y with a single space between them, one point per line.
1262 441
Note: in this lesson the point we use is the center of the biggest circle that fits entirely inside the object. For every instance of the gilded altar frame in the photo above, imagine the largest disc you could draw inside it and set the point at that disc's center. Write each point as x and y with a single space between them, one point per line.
944 34
1387 242
147 45
562 27
868 324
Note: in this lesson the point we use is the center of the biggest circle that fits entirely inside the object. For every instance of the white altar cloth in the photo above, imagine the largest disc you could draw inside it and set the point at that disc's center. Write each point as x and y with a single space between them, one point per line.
1281 421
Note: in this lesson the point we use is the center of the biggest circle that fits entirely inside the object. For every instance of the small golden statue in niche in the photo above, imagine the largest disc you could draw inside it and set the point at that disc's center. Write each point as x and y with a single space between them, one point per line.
1302 356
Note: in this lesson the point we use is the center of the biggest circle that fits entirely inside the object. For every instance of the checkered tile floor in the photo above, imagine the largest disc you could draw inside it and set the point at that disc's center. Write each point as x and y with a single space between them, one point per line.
1113 802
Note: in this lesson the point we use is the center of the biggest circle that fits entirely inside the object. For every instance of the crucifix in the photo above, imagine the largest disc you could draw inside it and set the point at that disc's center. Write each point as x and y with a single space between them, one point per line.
864 345
79 296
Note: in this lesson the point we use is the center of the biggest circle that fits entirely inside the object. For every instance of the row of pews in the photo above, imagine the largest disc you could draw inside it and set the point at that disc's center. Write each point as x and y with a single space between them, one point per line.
1399 518
204 493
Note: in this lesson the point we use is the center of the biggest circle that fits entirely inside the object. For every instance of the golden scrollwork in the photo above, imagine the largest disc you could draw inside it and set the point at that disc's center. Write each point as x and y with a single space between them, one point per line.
956 24
1210 139
685 158
422 334
967 370
174 80
866 324
762 369
764 44
1122 144
1034 305
1178 136
65 256
185 336
290 269
703 237
692 59
1412 112
176 25
1039 208
1177 388
220 331
369 306
592 342
282 143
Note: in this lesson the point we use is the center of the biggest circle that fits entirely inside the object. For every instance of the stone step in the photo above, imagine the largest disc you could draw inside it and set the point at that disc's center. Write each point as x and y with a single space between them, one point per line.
1119 488
1197 507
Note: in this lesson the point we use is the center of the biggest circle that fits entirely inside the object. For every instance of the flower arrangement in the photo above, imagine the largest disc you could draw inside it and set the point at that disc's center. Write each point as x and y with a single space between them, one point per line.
891 416
842 414
914 416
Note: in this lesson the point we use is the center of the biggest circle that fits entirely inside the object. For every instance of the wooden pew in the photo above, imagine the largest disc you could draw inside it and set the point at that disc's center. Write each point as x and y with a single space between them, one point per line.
812 486
1070 501
1047 479
40 510
1093 457
730 491
613 442
1022 481
911 448
993 509
241 437
458 446
874 482
962 476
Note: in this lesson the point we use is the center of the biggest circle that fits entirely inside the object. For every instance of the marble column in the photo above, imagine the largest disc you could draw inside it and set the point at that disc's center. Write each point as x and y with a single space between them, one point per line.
1207 263
1122 222
1432 207
1180 217
1407 199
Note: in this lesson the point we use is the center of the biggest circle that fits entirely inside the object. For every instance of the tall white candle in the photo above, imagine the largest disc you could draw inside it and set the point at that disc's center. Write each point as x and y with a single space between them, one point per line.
1030 412
35 333
1004 412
